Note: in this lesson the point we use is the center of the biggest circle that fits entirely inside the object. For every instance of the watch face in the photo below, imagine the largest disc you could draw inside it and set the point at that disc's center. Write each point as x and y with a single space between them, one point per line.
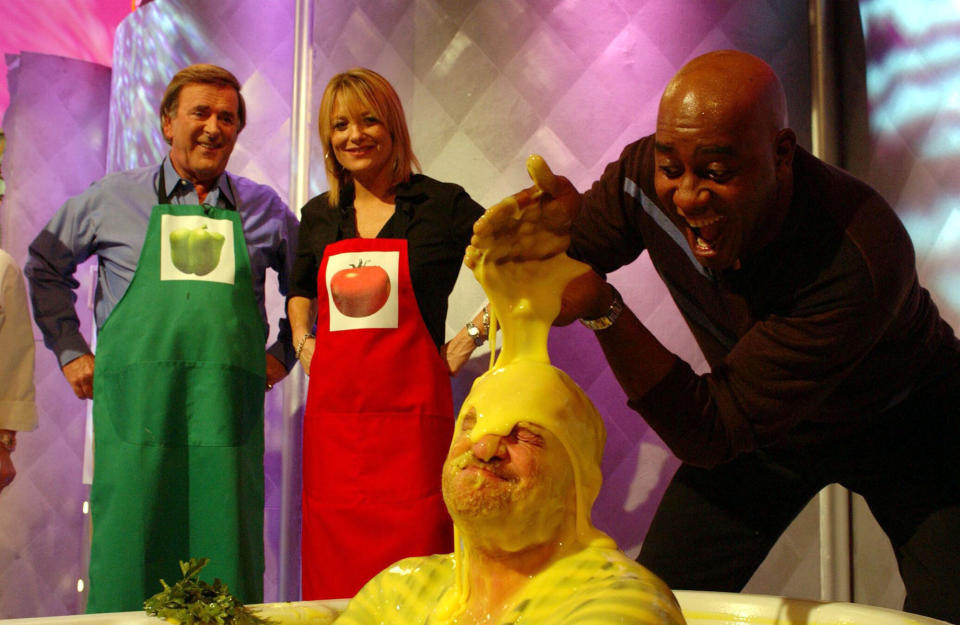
474 333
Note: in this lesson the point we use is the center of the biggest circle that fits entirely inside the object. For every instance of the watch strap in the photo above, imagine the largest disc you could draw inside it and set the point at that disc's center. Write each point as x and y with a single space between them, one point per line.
475 334
610 317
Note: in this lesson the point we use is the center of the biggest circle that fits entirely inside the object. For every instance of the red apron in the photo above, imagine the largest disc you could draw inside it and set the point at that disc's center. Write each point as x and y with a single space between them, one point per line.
377 425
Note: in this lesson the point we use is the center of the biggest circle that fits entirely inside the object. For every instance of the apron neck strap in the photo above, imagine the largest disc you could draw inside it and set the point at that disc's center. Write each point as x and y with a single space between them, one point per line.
162 197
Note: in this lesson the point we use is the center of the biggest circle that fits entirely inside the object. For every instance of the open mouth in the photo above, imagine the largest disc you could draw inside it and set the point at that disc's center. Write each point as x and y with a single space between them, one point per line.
706 232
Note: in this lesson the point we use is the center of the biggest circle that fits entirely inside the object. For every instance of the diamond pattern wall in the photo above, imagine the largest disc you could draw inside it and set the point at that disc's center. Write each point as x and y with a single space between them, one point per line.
484 83
56 146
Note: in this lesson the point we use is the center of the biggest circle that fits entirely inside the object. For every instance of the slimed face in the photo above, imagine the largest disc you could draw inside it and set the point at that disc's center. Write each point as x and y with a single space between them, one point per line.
522 463
517 487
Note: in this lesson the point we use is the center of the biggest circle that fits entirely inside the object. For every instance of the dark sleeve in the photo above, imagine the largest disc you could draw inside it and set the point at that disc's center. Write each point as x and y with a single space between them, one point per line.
68 240
606 233
449 215
830 359
782 371
318 227
465 212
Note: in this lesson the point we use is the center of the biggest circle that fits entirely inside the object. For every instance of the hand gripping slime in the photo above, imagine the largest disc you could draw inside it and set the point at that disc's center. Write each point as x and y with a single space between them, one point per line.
518 254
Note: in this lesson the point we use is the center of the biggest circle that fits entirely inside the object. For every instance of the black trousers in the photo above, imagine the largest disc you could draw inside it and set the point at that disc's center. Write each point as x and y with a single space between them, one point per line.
715 526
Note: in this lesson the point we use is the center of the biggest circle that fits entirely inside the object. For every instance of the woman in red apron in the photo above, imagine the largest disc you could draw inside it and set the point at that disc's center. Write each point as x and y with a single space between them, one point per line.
378 256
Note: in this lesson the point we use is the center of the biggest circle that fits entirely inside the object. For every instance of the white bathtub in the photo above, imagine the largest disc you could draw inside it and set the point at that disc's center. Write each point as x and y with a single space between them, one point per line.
720 608
699 608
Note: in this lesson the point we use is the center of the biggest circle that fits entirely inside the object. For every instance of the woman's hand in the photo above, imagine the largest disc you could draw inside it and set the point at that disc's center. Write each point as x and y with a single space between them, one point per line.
457 351
302 313
306 353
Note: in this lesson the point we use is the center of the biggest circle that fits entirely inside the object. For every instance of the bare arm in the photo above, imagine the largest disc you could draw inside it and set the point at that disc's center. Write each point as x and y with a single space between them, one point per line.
457 351
638 360
302 313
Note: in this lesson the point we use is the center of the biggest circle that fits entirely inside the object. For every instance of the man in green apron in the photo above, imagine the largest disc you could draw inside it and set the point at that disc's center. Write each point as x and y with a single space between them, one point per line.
180 368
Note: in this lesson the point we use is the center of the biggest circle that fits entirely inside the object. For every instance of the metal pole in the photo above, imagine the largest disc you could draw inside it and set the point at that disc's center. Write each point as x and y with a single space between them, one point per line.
295 385
834 500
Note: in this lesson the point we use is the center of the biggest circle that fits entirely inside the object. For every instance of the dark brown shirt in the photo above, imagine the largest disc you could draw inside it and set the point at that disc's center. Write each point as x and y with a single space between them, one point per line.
822 330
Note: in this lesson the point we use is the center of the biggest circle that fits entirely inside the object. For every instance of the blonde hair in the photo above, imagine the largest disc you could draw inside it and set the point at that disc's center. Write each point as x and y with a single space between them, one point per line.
360 90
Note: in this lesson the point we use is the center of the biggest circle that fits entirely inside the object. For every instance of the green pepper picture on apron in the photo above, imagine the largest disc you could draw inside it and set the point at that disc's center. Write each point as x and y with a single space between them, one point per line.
178 415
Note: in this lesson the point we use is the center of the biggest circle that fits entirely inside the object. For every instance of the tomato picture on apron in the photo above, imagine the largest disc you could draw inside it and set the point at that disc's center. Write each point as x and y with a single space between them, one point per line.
360 289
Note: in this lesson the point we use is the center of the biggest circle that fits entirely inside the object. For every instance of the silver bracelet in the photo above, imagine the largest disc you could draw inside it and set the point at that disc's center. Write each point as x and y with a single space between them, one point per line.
303 340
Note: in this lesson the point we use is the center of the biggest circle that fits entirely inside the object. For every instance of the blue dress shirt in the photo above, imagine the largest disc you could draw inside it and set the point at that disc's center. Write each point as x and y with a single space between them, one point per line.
110 220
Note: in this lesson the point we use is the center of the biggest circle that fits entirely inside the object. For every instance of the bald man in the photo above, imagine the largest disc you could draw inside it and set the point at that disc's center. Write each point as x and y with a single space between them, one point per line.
829 363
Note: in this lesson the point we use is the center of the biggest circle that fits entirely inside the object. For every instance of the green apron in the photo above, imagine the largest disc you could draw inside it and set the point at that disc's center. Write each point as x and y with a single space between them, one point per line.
178 416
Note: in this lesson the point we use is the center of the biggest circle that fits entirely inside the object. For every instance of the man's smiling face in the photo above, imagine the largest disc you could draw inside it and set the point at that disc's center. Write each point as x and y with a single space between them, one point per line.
203 131
723 159
719 178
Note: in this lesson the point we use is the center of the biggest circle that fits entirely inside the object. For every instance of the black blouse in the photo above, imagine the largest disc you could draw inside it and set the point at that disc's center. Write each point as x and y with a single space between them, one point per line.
436 218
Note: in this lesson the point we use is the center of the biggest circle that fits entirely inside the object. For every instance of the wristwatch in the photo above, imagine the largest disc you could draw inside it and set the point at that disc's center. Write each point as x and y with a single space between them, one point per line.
475 334
610 317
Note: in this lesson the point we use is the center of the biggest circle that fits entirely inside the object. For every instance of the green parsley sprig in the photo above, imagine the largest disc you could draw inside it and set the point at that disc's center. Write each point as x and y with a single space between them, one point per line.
194 602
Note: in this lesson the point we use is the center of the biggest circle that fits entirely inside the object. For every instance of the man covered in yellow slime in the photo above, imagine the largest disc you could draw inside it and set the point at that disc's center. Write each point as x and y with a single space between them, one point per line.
523 469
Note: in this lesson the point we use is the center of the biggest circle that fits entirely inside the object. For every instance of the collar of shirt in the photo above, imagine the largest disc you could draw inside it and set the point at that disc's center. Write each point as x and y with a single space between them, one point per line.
181 191
406 194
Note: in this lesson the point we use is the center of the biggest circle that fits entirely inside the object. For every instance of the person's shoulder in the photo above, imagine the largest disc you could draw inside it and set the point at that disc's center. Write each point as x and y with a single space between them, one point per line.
609 580
639 150
605 567
601 585
870 225
444 199
258 194
421 184
114 192
135 177
318 207
420 565
415 571
838 189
